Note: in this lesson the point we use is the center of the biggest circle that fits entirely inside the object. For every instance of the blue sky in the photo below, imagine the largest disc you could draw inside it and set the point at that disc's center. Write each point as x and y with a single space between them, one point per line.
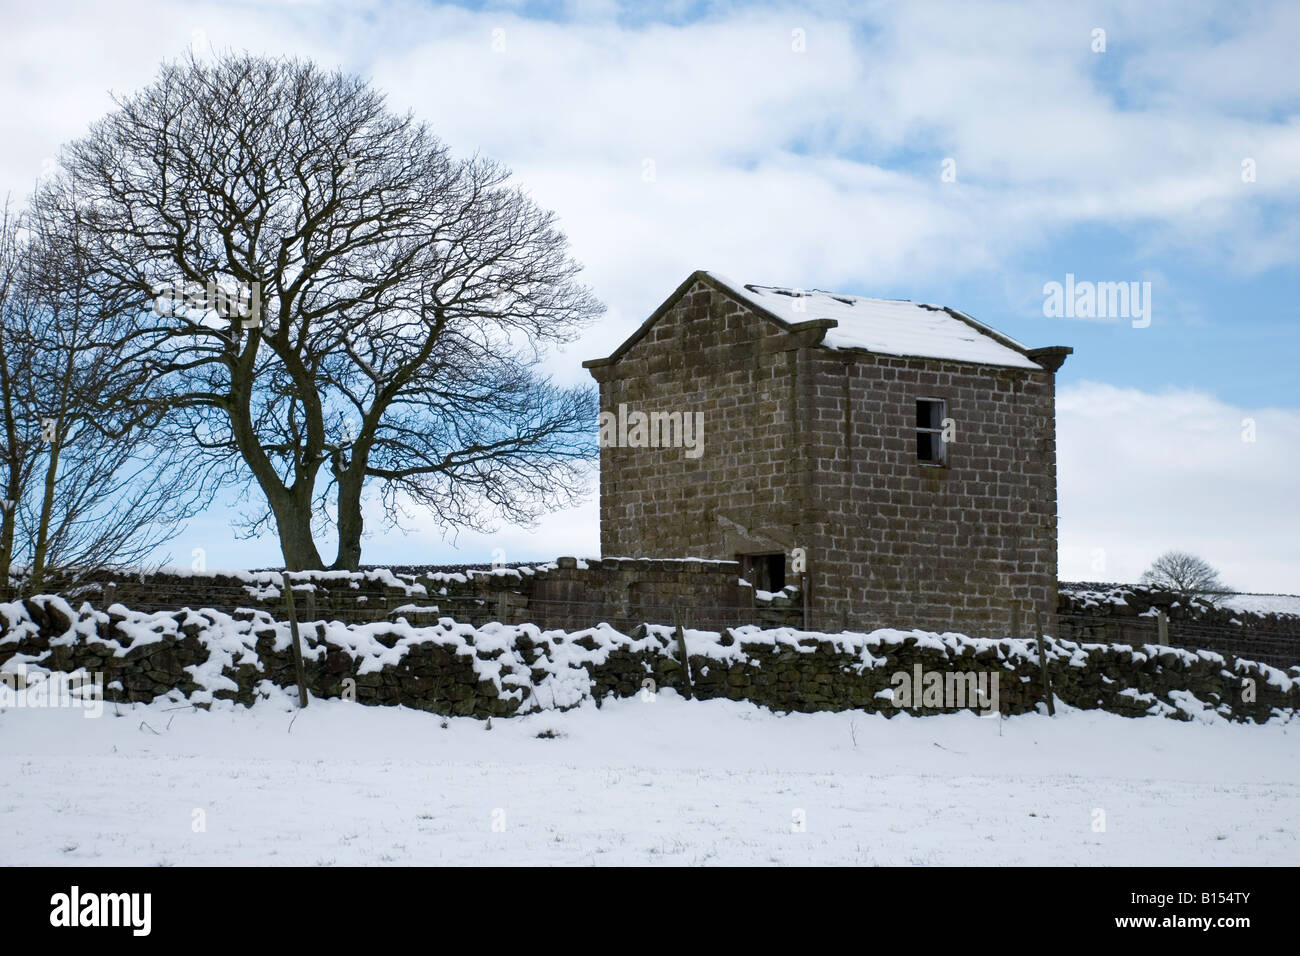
803 145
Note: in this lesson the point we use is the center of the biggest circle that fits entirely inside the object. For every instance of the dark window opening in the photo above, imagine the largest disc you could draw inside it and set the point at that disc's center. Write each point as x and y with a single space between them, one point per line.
930 446
766 572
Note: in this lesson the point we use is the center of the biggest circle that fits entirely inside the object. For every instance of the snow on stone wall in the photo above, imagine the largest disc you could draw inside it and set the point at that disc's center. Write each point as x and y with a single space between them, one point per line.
1127 614
500 670
567 593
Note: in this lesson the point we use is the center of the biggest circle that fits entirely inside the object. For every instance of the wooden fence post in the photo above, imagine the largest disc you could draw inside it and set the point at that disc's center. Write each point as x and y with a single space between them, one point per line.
681 647
1162 627
1042 665
299 670
805 583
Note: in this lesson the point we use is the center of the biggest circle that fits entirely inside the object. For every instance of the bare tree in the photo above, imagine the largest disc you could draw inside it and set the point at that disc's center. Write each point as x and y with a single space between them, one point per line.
16 357
1184 574
394 302
83 488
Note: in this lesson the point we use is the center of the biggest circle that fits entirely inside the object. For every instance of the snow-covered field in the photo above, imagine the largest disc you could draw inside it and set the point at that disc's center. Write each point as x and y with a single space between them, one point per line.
639 782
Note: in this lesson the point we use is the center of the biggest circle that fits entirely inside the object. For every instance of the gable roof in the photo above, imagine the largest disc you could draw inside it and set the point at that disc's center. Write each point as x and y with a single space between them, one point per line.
884 326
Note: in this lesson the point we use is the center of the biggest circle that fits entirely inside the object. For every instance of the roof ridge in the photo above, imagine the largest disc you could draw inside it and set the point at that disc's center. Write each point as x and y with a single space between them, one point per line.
754 286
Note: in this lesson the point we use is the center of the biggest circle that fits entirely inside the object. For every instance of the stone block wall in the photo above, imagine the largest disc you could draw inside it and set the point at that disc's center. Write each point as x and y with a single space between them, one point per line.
707 354
894 542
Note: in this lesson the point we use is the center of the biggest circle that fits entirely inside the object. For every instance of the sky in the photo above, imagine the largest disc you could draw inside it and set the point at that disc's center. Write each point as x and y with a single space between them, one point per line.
967 154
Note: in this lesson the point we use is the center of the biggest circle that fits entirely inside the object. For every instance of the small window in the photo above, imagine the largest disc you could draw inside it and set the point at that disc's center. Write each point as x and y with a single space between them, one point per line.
930 446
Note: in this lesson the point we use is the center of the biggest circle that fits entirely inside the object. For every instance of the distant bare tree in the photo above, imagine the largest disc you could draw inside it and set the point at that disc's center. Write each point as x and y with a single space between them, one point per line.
399 301
1184 574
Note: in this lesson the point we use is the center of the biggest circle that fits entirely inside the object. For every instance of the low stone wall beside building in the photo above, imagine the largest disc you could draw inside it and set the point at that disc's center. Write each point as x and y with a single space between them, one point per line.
567 593
572 593
500 670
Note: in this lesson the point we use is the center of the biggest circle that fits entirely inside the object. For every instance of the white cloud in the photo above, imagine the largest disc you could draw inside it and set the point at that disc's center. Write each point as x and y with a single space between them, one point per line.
822 169
1141 473
745 132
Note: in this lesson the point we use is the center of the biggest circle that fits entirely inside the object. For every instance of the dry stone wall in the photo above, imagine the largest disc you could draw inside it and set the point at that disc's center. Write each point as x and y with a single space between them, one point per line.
1127 614
502 670
566 593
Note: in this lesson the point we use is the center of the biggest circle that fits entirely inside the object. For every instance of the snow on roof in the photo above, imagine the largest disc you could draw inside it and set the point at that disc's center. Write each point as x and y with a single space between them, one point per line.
888 326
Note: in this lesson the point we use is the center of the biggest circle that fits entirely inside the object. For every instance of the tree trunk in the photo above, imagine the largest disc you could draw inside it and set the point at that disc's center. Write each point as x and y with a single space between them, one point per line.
60 426
350 524
8 519
14 463
9 508
290 505
293 521
47 508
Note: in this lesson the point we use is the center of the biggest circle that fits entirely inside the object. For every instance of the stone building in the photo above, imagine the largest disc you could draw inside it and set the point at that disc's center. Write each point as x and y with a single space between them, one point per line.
896 459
